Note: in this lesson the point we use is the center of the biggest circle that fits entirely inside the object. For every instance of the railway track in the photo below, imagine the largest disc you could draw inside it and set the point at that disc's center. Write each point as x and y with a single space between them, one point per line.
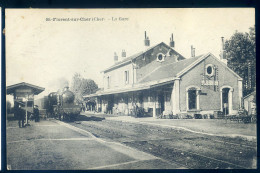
185 155
189 159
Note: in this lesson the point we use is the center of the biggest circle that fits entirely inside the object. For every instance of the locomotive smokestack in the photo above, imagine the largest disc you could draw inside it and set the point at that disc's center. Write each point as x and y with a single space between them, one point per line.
66 88
171 42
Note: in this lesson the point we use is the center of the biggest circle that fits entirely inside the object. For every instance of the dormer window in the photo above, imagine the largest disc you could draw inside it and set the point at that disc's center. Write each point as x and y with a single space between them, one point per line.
160 57
209 70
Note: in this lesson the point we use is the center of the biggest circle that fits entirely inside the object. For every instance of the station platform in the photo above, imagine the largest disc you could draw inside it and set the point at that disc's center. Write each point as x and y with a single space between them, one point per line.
213 127
54 145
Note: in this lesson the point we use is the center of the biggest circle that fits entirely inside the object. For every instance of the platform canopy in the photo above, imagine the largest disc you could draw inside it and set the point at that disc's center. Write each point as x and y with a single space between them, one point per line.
24 87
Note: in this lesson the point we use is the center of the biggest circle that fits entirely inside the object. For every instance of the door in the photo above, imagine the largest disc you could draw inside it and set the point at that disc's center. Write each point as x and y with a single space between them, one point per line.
192 97
225 100
161 101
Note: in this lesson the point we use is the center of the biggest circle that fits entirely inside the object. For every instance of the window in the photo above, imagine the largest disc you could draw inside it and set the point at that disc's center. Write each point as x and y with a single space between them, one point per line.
108 82
209 70
160 57
126 77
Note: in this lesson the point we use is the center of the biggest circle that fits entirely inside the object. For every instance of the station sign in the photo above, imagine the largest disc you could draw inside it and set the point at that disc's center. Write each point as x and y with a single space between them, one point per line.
19 98
209 82
204 94
23 90
28 98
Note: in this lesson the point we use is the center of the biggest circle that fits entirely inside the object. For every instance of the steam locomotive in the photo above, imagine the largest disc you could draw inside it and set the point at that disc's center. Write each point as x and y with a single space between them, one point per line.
61 105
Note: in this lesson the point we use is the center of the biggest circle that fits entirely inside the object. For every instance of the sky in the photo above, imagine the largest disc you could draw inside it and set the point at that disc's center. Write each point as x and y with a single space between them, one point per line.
44 52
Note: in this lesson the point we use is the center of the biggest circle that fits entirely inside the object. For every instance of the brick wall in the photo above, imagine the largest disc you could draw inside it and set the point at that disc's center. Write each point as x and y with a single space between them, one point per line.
210 101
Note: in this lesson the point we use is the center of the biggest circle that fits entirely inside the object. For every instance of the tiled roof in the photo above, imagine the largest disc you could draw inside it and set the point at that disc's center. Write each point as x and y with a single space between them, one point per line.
169 70
163 75
134 56
252 93
129 88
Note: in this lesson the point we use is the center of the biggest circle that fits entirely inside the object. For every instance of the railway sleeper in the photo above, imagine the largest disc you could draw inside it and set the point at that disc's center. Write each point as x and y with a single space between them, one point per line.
190 160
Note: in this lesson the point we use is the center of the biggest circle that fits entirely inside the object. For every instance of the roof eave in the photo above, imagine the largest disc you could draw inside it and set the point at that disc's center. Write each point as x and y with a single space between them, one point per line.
117 65
239 78
201 59
249 94
37 89
185 70
139 54
142 86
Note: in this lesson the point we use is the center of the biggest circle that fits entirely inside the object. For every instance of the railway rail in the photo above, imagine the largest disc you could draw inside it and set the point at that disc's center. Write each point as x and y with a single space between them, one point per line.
191 157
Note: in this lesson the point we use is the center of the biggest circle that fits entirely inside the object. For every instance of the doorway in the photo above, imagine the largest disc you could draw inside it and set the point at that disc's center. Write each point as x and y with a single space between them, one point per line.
192 98
161 101
225 100
110 104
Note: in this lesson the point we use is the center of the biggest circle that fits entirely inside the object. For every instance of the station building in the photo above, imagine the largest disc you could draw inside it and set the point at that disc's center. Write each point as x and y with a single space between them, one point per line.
161 81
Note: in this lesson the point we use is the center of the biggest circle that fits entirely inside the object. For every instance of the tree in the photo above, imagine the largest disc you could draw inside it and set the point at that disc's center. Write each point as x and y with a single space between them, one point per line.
241 57
81 86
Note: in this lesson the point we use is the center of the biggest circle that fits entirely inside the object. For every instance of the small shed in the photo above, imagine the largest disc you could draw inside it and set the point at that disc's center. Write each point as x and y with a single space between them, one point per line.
249 103
23 94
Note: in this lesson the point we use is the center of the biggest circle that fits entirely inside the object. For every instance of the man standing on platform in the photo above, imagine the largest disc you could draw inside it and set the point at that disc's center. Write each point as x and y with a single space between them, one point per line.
36 113
21 116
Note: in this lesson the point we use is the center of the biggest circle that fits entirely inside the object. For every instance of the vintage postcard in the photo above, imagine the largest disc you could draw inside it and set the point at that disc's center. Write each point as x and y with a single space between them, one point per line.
109 89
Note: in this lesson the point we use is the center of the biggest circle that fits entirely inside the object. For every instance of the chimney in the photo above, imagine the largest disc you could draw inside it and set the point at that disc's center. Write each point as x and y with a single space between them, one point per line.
192 51
222 55
222 39
123 53
115 58
146 40
171 42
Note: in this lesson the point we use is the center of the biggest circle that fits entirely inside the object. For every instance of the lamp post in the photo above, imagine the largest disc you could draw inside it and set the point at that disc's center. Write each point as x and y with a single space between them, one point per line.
26 114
